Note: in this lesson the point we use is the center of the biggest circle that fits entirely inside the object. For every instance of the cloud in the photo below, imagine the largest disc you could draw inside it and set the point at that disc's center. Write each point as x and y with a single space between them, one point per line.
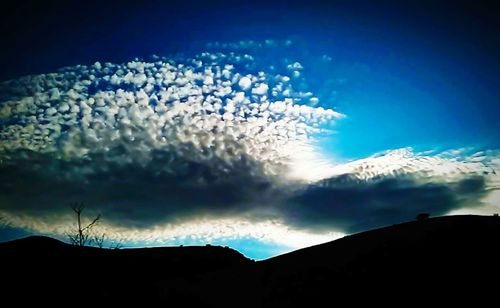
152 142
394 187
196 231
364 205
189 146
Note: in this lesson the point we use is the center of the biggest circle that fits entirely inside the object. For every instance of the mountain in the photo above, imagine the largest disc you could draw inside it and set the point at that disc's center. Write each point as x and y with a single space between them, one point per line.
448 258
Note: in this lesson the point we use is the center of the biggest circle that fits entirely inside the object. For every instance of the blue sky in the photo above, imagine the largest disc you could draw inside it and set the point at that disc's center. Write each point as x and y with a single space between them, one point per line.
414 75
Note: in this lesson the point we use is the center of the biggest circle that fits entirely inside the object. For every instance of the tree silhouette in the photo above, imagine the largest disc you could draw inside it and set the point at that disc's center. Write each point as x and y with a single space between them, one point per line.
98 240
83 235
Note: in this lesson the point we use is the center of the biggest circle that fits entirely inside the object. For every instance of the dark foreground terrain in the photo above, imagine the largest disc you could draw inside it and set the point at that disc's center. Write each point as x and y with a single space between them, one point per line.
450 259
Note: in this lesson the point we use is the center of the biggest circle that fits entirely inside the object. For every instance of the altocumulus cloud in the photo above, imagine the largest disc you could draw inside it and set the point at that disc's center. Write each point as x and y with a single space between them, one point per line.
220 144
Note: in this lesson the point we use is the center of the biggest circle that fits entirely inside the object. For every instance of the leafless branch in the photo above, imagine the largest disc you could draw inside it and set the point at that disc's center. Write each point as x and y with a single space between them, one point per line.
99 240
82 235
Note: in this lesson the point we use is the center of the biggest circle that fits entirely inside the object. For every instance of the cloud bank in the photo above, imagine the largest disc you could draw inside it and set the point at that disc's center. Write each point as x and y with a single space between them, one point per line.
192 146
396 186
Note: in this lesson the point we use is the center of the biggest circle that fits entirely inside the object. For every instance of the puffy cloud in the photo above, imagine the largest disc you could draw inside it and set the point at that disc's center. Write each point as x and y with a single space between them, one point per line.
138 108
261 89
245 83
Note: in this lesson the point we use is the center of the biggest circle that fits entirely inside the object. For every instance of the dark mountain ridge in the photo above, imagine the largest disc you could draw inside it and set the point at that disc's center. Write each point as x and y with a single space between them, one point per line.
419 259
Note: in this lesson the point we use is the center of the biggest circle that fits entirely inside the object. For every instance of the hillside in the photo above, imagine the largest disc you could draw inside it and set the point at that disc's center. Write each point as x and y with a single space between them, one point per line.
415 260
452 256
49 269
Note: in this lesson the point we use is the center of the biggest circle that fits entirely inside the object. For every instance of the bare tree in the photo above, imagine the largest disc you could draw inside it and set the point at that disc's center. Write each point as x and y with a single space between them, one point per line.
116 245
98 240
83 235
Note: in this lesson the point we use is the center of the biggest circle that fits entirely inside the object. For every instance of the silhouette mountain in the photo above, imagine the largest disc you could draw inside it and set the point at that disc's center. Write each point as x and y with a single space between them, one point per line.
446 258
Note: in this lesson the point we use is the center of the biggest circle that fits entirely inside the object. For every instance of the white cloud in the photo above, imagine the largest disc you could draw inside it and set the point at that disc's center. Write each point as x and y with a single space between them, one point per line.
261 89
142 107
245 83
443 167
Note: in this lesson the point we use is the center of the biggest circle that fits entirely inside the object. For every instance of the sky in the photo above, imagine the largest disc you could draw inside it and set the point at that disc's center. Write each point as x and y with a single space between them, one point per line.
263 126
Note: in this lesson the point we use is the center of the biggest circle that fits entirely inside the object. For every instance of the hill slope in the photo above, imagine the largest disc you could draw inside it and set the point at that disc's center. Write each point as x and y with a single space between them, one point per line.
416 260
48 269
